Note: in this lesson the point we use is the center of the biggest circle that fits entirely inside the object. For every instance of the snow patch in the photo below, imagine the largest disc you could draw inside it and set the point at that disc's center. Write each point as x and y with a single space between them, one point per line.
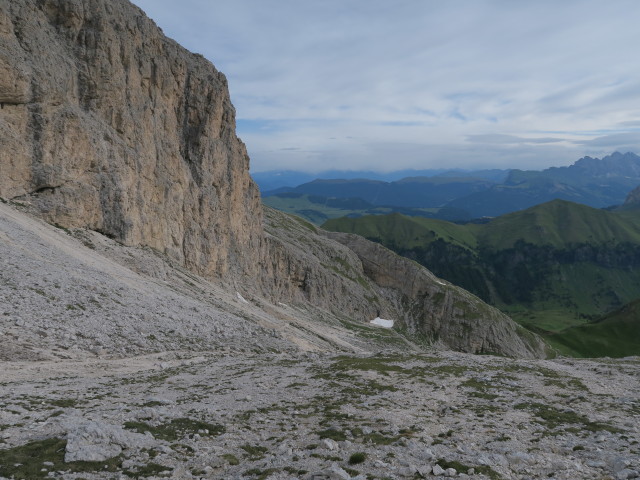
381 322
241 298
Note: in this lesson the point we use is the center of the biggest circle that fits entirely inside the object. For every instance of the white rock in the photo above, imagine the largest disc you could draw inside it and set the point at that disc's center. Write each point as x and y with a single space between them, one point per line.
424 471
626 474
437 470
94 441
330 444
520 458
450 472
334 472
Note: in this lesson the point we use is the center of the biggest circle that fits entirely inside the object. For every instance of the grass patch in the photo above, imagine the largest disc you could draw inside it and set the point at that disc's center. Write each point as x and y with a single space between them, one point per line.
260 474
255 452
333 434
64 402
26 462
176 429
553 418
231 459
379 364
461 468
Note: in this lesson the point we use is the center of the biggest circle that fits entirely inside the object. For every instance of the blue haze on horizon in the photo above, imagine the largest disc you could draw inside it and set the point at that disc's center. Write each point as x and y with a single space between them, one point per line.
379 85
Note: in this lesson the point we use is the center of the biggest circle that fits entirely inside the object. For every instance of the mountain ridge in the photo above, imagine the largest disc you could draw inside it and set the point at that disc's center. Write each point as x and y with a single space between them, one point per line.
462 196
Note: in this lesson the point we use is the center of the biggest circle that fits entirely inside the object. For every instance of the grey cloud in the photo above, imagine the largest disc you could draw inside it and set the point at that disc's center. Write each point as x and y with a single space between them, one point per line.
497 138
429 68
630 123
614 141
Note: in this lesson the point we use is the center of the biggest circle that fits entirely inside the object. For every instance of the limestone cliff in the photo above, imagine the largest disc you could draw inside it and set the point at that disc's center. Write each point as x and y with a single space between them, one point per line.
108 125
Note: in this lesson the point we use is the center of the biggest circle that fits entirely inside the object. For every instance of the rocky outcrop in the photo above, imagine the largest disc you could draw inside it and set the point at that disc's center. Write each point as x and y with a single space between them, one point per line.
350 276
119 130
438 310
633 199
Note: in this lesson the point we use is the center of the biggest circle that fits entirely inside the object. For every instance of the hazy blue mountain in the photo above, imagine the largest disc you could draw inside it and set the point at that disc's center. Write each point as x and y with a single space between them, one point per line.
277 179
598 183
318 209
591 181
411 192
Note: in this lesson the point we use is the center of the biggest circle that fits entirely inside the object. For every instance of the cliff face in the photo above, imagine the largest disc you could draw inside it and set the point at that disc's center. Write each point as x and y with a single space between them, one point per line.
354 278
108 125
438 310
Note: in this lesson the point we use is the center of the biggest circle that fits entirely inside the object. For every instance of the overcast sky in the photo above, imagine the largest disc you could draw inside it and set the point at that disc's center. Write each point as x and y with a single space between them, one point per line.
385 85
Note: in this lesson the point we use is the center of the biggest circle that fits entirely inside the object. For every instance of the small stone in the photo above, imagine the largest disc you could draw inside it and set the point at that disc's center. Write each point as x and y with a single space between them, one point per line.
427 455
424 471
330 444
407 471
332 473
437 470
619 464
450 472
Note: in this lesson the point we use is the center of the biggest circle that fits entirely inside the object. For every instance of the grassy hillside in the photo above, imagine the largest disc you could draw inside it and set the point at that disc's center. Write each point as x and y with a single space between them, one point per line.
561 224
550 267
614 335
403 231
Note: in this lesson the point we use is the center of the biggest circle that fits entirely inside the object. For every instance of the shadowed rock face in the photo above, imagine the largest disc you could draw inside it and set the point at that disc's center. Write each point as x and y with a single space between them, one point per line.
108 125
633 199
119 129
439 310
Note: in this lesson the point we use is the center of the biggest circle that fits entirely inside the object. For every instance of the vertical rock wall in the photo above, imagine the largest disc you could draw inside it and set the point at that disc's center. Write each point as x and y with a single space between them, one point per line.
107 124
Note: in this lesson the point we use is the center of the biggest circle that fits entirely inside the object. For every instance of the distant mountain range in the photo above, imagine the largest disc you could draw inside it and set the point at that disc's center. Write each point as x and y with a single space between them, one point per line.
551 267
284 180
460 195
590 181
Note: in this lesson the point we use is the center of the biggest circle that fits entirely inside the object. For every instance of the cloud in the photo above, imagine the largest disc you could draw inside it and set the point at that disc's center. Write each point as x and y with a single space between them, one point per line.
497 138
615 141
441 76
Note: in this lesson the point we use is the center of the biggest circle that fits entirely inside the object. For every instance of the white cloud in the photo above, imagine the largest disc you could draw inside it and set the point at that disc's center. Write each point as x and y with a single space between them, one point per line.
415 83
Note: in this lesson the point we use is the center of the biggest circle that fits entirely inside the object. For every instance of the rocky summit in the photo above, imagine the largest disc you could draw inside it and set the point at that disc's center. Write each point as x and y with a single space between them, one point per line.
157 322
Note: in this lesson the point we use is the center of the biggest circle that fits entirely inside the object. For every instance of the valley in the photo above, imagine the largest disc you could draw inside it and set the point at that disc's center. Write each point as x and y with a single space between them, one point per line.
551 267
